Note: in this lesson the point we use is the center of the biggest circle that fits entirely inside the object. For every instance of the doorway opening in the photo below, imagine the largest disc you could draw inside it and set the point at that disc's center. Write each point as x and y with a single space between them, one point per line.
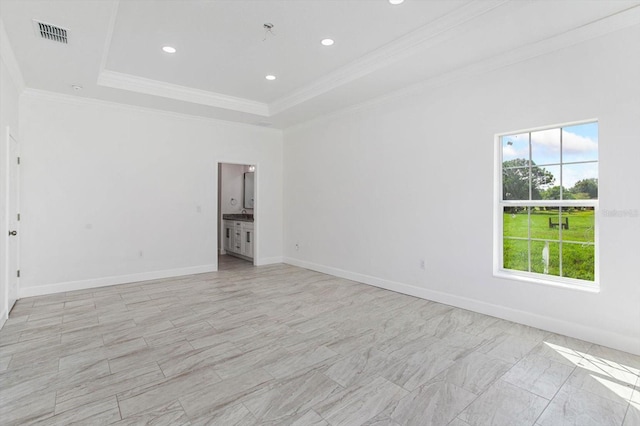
237 223
12 218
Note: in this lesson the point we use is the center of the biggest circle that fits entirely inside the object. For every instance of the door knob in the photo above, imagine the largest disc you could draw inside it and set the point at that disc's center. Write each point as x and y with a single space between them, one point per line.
13 233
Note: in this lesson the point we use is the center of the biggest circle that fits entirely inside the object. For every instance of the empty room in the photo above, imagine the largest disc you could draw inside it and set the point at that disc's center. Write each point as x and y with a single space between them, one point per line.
320 212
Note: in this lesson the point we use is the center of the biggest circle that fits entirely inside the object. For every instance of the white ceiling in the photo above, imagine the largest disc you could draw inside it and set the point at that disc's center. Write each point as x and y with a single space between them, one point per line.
224 52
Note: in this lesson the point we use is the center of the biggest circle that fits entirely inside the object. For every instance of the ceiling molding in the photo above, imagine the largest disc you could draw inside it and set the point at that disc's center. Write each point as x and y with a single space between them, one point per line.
9 59
81 101
147 86
599 28
428 35
109 37
424 37
167 90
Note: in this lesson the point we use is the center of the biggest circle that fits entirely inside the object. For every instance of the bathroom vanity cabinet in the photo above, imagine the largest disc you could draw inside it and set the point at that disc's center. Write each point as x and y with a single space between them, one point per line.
238 238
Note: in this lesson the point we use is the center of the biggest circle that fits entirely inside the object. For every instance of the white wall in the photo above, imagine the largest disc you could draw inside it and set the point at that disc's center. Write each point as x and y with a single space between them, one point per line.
116 194
9 97
412 178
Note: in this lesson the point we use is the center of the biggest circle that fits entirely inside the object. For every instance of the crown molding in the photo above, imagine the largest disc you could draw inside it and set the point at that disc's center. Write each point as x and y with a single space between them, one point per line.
428 35
107 40
9 59
81 101
147 86
422 38
599 28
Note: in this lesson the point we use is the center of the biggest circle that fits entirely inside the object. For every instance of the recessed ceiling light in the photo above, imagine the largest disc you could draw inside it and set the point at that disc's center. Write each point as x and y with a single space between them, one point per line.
169 49
395 1
270 77
327 42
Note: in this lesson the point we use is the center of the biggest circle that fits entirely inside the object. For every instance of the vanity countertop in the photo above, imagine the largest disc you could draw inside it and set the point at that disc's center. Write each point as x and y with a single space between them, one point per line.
243 217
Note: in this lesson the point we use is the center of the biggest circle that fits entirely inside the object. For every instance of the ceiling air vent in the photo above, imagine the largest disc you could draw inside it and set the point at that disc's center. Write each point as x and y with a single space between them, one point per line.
50 32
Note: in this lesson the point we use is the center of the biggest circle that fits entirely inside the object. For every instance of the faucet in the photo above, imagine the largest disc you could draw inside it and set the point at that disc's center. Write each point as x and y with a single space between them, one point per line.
244 211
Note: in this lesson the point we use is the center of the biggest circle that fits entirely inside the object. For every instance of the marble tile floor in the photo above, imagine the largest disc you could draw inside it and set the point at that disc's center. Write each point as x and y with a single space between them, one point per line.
281 345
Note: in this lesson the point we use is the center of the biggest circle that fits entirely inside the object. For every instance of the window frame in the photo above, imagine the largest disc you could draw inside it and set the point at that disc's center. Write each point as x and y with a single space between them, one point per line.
499 205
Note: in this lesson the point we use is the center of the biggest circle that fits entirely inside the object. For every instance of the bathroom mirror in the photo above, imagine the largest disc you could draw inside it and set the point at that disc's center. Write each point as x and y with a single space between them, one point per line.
249 191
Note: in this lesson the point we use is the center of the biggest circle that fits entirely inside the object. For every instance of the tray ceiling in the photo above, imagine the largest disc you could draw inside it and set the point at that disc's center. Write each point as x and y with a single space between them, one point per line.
223 50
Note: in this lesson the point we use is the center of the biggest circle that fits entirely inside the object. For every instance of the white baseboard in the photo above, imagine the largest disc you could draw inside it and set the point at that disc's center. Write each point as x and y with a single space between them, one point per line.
106 281
268 260
555 325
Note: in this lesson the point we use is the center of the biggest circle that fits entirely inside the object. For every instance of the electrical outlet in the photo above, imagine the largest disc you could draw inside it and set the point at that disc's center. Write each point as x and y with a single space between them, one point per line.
297 247
422 264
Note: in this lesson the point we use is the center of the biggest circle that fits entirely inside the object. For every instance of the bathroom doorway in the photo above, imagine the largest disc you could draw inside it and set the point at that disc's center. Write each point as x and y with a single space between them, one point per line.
237 223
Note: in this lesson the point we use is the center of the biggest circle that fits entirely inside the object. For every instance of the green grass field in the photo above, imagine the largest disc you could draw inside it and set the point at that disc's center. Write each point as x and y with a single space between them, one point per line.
578 258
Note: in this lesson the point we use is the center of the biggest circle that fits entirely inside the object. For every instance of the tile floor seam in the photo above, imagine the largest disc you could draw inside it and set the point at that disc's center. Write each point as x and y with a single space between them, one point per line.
471 403
537 394
318 414
599 396
183 410
119 409
575 367
626 413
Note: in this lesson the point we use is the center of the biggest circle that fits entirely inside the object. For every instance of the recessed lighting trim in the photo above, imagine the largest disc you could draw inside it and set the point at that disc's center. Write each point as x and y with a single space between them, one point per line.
394 2
270 77
327 42
169 49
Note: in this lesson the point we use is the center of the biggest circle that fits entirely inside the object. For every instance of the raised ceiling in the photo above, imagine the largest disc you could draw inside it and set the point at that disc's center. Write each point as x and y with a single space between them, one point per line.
224 52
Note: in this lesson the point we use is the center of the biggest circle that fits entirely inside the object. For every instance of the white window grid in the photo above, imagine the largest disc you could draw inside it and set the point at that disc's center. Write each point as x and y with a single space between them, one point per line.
530 204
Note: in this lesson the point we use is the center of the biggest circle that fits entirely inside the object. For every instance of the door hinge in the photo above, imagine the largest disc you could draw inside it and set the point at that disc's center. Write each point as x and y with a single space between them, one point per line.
18 217
18 160
18 273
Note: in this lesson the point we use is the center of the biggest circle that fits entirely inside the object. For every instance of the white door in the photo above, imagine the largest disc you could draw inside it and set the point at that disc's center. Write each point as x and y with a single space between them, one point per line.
12 219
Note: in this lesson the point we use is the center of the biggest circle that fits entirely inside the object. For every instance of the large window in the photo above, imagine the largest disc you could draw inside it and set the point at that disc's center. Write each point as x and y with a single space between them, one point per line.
547 204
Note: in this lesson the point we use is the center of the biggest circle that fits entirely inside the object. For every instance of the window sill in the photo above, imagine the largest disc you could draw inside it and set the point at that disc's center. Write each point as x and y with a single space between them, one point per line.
563 283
